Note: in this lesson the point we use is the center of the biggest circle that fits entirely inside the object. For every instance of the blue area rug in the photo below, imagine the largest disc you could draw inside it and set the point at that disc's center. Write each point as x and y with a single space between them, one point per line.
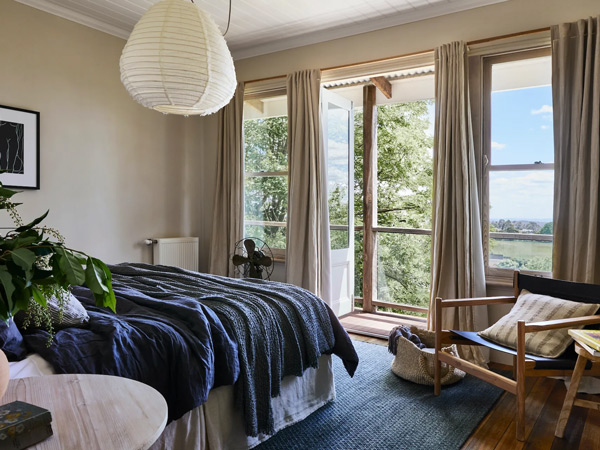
377 410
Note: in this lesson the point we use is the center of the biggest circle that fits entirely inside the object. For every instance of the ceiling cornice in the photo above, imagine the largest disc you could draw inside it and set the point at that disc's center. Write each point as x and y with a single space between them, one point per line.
73 16
435 10
239 52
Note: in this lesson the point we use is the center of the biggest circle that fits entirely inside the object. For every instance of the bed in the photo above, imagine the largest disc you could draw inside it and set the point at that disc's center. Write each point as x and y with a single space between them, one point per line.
236 360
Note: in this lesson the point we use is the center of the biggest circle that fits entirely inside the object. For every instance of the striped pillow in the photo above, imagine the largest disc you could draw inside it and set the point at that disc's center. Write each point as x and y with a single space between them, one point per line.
73 313
537 308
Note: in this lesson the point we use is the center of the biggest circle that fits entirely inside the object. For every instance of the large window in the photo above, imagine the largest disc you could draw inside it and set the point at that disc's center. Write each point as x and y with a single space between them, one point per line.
519 157
266 171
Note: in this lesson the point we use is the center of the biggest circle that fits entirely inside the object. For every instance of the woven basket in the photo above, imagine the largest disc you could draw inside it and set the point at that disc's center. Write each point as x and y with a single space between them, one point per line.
418 365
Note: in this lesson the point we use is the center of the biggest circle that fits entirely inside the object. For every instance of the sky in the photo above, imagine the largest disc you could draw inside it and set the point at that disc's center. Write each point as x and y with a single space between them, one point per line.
522 134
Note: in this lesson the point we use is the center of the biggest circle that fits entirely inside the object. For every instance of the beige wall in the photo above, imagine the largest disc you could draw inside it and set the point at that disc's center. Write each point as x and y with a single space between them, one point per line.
200 175
112 172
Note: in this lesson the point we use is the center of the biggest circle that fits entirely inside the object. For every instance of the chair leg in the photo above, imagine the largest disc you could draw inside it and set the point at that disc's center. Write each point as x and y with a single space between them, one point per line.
520 381
570 398
437 379
520 412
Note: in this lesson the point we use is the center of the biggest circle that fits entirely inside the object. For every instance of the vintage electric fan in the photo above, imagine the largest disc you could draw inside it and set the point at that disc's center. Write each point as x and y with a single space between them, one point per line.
253 259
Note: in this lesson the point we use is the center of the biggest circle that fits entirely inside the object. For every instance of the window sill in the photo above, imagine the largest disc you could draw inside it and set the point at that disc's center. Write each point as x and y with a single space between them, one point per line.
496 281
503 281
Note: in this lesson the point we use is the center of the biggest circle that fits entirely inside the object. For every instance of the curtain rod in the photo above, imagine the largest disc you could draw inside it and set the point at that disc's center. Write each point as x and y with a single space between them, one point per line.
479 41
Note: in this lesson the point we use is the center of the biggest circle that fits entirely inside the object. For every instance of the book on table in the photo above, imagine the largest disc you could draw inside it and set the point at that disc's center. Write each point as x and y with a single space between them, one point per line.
589 349
591 339
23 424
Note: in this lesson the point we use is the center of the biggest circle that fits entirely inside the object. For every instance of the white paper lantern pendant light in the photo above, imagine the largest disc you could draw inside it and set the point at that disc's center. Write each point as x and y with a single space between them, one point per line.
176 61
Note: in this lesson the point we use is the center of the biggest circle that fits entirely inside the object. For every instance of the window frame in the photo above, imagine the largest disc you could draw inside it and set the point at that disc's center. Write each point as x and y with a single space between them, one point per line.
278 253
495 273
370 226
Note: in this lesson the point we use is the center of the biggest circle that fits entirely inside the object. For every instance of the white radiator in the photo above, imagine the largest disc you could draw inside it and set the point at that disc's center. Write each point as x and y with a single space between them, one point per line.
179 252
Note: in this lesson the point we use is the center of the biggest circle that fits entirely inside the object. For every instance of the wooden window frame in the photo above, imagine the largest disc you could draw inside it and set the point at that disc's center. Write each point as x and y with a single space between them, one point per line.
484 115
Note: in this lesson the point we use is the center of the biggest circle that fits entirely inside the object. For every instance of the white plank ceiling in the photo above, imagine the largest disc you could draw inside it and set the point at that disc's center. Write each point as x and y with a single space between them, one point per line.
265 26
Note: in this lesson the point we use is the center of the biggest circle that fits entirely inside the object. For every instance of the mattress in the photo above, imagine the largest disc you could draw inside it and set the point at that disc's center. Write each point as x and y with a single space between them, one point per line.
216 424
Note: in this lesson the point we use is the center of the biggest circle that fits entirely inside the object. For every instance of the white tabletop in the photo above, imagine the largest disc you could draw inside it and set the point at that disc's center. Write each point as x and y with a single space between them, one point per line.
94 411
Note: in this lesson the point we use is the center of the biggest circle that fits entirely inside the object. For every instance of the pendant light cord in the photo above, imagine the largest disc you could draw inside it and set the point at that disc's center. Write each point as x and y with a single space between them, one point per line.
228 18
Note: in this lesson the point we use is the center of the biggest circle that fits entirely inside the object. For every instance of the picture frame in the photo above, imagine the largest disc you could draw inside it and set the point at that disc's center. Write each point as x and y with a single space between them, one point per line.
19 148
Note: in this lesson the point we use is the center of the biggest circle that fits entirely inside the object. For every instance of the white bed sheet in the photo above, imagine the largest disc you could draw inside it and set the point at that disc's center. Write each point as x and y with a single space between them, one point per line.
216 424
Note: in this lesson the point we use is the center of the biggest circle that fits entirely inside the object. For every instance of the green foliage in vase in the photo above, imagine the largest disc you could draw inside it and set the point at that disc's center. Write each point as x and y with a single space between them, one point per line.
35 265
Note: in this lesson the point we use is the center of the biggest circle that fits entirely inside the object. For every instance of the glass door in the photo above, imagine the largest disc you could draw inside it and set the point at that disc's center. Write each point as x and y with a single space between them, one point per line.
338 132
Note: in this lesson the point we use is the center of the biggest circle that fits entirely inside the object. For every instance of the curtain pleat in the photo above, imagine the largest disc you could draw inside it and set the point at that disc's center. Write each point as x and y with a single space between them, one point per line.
457 252
228 219
576 103
308 258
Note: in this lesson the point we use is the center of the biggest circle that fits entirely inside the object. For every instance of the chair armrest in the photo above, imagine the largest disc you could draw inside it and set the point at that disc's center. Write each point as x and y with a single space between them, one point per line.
478 301
561 323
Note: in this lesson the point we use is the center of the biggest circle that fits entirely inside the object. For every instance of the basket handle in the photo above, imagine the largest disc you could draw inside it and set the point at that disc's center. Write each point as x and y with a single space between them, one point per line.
447 370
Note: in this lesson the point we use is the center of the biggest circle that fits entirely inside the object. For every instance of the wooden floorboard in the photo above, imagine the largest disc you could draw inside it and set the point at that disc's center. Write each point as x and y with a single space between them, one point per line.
544 401
379 324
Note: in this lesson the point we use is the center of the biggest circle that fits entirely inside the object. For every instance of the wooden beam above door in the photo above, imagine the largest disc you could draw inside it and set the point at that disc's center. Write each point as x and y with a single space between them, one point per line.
383 85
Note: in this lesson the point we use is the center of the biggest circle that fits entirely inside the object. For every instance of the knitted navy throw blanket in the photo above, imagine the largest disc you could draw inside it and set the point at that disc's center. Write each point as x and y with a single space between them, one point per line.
280 329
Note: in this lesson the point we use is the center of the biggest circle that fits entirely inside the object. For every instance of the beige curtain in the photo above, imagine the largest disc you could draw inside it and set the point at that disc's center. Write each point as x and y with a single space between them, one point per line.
457 254
576 98
308 262
228 219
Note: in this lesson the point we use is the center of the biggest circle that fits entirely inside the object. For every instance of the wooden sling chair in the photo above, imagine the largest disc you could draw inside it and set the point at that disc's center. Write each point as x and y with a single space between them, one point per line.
524 365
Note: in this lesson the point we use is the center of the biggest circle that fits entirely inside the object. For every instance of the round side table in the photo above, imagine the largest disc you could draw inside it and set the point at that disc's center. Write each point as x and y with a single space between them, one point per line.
94 411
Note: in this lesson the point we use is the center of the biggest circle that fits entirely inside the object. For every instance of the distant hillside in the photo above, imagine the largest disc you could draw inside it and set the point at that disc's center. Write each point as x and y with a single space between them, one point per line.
521 226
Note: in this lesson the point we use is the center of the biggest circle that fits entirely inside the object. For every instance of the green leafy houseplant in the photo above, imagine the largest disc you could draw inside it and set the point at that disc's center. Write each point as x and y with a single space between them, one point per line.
35 265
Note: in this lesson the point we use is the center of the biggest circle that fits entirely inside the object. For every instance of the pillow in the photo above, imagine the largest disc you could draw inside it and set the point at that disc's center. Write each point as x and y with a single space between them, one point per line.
73 315
11 341
537 308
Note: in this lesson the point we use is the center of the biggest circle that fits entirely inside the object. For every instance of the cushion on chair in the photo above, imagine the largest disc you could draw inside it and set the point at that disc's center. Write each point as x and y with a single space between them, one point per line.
537 308
566 361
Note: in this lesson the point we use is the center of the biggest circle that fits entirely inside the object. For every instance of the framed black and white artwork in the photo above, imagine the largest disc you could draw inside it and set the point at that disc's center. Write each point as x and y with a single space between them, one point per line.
19 148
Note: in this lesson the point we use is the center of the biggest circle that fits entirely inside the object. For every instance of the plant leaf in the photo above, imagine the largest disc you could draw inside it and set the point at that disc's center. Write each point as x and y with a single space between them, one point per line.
9 287
94 278
7 193
70 266
22 295
32 223
38 296
108 299
57 273
24 259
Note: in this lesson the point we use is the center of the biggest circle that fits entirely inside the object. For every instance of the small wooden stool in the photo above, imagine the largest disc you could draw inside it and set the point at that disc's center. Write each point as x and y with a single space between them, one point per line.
570 399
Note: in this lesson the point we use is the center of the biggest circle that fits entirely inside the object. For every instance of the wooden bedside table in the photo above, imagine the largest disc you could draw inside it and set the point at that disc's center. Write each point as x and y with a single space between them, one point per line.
94 411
